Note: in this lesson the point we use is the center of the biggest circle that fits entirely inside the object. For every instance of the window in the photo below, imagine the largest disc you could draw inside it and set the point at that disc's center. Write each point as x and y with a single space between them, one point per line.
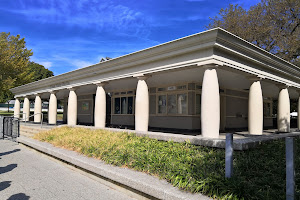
172 104
123 105
267 109
162 104
198 104
117 105
181 103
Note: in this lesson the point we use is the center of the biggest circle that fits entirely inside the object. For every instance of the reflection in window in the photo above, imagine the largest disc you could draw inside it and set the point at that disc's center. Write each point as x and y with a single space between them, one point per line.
162 104
198 104
172 108
267 109
117 106
124 105
182 103
130 105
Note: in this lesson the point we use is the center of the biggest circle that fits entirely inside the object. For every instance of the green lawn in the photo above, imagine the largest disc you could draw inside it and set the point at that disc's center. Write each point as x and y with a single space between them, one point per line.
258 173
2 112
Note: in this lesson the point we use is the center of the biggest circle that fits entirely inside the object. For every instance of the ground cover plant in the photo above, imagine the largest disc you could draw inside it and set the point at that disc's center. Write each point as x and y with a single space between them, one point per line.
6 113
258 173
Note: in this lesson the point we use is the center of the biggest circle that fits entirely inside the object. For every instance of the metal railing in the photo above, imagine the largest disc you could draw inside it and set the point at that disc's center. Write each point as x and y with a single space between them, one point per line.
27 118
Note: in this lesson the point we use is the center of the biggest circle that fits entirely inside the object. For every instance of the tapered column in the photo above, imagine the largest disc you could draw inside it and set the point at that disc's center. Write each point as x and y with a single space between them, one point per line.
142 105
26 109
37 108
52 111
299 111
283 110
255 108
72 107
100 106
17 108
210 103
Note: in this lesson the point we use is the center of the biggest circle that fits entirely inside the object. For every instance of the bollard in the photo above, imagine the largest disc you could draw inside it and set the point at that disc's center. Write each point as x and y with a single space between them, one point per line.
229 155
290 168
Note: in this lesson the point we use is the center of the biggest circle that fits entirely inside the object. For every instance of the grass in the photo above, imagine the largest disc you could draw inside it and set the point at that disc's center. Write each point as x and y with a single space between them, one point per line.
5 113
258 173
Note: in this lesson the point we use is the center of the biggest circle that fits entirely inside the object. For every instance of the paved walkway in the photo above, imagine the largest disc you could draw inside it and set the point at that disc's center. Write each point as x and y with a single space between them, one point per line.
26 174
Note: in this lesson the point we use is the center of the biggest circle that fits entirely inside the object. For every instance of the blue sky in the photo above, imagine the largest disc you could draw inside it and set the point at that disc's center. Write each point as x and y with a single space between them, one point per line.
65 35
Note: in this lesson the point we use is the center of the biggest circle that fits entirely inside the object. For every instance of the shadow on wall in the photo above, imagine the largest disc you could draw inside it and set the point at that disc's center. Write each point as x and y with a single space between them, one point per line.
284 124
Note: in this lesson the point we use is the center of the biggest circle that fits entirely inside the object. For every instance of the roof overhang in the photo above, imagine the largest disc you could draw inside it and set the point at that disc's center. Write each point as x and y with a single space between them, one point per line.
217 47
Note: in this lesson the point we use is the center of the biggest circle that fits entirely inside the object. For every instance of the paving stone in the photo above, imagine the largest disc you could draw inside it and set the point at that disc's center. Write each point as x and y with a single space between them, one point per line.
27 174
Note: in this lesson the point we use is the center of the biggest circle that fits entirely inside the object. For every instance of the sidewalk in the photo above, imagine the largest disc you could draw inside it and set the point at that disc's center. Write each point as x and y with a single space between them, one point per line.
26 174
139 182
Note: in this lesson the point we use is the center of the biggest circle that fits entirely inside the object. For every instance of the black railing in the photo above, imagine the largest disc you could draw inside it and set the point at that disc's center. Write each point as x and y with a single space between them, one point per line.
10 127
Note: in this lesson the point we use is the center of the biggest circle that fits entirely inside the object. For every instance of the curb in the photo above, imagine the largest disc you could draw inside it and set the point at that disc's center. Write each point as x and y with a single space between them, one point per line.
138 181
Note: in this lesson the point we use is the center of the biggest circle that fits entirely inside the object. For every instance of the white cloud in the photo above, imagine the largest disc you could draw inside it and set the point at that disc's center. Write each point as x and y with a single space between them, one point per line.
84 13
46 64
80 63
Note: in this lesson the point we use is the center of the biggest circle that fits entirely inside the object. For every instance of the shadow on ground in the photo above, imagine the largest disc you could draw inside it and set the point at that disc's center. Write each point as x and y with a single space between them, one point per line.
9 152
8 168
19 196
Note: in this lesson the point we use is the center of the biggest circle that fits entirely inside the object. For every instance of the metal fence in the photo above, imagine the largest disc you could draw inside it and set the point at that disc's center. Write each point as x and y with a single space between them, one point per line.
9 127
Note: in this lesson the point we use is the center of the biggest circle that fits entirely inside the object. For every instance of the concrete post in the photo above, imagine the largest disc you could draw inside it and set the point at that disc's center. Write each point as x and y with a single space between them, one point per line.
255 108
26 109
142 105
100 106
17 108
229 155
210 103
37 108
72 107
290 168
52 111
283 110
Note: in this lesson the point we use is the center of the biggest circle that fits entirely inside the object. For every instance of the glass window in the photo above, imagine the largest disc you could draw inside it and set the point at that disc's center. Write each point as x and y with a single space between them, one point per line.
130 105
162 104
117 105
182 103
198 104
267 109
123 105
172 108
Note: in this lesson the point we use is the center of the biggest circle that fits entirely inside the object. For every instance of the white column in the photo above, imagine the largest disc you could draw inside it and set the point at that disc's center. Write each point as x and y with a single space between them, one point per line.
210 103
100 106
52 110
26 109
37 108
142 105
72 107
17 108
299 111
255 108
283 110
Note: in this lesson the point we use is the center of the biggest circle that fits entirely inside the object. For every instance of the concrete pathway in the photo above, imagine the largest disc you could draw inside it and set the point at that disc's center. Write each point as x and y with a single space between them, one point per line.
26 174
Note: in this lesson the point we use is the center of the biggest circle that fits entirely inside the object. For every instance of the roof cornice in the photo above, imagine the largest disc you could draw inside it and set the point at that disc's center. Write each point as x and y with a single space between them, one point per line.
214 38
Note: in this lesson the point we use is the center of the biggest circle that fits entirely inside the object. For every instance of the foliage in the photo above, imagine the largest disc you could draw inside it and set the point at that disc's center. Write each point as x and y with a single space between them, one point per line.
273 25
39 71
258 173
14 57
15 67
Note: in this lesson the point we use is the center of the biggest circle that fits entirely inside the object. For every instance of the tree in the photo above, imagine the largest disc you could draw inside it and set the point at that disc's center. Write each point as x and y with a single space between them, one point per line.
14 57
38 72
15 68
273 25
